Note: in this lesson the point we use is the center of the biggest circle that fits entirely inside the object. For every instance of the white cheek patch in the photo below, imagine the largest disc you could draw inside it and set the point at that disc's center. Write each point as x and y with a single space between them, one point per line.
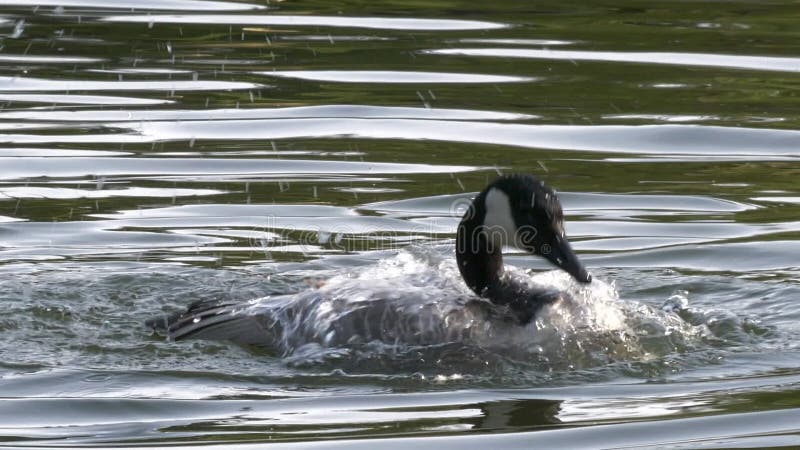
499 222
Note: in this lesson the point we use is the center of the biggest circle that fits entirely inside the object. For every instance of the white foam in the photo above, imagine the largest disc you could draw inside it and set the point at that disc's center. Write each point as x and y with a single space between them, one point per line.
416 302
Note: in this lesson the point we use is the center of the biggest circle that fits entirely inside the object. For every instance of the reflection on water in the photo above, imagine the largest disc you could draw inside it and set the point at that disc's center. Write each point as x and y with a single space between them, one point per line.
174 5
154 154
25 84
80 99
681 59
376 76
380 23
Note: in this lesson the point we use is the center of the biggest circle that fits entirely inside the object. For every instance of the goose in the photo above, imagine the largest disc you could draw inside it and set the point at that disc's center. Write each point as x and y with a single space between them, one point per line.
522 212
512 211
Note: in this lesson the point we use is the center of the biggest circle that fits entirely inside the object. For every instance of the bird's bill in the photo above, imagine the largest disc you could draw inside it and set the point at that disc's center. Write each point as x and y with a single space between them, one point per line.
561 254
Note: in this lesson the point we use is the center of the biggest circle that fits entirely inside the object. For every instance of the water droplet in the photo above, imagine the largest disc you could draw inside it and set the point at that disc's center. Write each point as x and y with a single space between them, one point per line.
19 28
424 102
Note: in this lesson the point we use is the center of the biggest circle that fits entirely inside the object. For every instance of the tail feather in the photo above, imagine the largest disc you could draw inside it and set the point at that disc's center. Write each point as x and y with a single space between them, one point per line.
213 320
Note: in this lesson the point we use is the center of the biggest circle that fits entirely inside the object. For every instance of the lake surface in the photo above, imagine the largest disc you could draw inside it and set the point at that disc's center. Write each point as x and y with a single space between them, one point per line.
157 153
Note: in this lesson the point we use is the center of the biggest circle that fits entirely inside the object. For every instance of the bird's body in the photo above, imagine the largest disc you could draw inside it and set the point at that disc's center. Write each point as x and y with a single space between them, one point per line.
515 210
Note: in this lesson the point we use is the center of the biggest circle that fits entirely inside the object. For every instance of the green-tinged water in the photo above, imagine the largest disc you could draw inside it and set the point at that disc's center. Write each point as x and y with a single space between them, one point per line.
157 153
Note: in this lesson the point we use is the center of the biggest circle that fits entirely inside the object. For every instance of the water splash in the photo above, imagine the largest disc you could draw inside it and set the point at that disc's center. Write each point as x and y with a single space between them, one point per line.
413 310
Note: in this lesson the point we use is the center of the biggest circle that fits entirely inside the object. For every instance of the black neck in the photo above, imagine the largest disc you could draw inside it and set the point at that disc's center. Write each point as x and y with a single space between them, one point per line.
481 264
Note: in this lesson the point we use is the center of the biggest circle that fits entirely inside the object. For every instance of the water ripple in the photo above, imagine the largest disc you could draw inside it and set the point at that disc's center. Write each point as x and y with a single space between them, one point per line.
158 153
320 111
20 168
313 21
706 141
29 192
79 100
385 76
17 84
177 5
765 63
44 59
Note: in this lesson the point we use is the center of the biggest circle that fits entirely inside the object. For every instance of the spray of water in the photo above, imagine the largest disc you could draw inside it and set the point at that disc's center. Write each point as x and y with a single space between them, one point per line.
414 308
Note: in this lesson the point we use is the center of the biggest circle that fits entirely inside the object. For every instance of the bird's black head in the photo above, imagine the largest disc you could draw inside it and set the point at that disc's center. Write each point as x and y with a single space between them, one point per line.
521 211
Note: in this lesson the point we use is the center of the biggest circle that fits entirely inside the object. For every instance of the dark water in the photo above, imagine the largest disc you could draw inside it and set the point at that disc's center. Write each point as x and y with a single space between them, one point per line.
157 153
